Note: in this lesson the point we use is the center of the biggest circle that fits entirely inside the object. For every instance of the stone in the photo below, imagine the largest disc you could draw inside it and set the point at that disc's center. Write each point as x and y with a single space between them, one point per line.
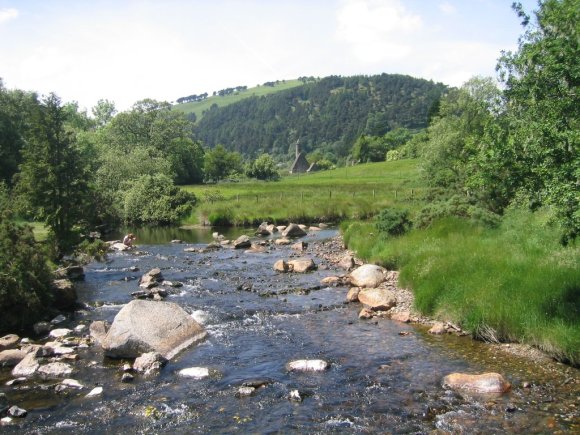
307 365
331 280
282 241
127 377
3 403
255 249
257 383
263 230
98 330
119 246
281 227
242 242
64 294
346 262
300 246
41 328
97 391
403 317
151 279
147 326
177 241
438 329
322 226
149 363
377 299
295 396
6 420
281 266
15 411
60 332
272 229
72 383
368 275
55 370
483 383
26 367
245 391
352 295
293 230
302 265
366 314
11 357
313 228
80 328
9 341
58 319
74 273
194 372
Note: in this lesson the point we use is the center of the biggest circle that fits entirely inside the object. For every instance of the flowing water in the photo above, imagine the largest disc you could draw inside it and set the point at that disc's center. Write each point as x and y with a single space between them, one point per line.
379 380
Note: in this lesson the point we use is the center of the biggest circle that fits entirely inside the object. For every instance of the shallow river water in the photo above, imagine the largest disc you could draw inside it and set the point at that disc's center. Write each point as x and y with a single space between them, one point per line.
258 321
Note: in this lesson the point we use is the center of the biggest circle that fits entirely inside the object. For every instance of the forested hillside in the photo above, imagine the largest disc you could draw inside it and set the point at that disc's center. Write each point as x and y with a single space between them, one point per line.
329 115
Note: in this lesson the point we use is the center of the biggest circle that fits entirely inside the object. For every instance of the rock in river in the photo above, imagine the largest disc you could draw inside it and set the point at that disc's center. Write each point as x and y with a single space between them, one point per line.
242 242
148 326
293 230
484 383
307 365
377 298
368 275
302 265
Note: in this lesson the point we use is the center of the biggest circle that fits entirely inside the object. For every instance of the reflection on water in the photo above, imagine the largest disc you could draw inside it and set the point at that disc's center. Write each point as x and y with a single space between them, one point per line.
378 379
187 234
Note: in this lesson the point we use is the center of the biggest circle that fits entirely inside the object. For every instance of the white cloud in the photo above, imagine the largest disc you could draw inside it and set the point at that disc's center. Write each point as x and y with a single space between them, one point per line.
8 14
376 30
447 8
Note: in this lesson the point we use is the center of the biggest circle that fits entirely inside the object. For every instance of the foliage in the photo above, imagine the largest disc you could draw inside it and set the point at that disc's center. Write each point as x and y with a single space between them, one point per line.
457 206
24 277
393 222
263 168
332 111
154 199
513 282
220 163
542 80
52 177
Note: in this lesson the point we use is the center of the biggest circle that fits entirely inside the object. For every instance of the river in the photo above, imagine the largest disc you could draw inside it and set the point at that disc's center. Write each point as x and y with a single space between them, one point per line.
384 376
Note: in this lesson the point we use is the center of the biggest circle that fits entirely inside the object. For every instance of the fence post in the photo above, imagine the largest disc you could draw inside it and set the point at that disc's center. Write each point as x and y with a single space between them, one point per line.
302 196
395 194
330 193
256 198
238 197
373 193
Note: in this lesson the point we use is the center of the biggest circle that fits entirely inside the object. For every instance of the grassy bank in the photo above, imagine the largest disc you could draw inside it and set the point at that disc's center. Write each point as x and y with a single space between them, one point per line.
514 283
356 192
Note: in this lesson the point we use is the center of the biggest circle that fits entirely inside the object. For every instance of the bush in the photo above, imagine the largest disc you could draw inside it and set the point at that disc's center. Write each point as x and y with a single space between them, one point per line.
24 278
393 222
154 199
456 206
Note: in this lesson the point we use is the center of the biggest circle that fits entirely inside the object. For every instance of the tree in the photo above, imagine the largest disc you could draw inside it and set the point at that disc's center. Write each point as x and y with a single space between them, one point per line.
52 178
219 163
263 168
103 112
542 80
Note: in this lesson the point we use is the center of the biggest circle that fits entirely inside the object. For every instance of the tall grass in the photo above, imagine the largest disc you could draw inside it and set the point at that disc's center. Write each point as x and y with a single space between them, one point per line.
356 192
513 283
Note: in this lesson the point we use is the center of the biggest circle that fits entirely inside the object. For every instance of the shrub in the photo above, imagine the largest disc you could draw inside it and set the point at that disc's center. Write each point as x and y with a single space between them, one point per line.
154 199
393 222
24 277
456 206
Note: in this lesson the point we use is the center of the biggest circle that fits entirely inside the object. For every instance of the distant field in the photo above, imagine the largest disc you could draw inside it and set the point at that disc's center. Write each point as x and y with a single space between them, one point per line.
355 192
200 106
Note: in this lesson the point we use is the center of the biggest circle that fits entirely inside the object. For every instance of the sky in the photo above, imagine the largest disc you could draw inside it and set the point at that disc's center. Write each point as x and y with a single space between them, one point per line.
128 50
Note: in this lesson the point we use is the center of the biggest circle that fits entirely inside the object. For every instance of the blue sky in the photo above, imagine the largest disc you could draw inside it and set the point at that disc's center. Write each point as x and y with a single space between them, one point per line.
127 50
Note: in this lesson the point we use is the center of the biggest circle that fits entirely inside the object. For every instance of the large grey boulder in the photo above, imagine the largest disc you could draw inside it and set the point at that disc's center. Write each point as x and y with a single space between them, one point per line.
11 357
368 275
242 242
302 265
293 230
148 326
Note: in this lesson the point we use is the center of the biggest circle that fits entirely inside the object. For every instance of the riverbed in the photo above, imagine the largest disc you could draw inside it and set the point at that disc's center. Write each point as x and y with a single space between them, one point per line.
384 376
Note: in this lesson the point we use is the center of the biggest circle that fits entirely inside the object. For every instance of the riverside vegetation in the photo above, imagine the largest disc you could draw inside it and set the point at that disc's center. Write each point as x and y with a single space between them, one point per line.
486 192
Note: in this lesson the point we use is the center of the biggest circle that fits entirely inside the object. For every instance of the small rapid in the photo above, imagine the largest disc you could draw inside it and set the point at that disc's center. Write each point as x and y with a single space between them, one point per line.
384 376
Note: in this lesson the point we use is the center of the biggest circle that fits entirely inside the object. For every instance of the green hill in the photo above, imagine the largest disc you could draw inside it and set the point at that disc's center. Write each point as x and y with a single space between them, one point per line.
326 115
199 107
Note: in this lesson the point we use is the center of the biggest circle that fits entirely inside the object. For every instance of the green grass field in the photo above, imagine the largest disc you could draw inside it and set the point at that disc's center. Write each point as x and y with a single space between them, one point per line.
199 107
355 192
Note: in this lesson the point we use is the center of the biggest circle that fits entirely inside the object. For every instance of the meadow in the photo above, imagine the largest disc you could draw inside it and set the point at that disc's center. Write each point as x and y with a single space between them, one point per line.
354 192
199 107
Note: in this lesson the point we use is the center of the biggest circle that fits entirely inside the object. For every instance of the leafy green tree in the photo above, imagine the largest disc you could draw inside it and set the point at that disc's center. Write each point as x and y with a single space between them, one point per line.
263 168
103 112
52 177
220 163
154 199
542 81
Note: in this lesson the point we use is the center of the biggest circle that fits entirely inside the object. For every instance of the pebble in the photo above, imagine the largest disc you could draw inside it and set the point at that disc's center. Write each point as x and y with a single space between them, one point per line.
295 396
17 412
245 391
95 392
127 377
195 372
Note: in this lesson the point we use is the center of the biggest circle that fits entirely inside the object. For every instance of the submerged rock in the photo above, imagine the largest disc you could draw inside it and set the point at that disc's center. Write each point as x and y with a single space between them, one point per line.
55 370
483 383
307 365
438 329
97 391
149 363
368 275
302 265
281 266
147 326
